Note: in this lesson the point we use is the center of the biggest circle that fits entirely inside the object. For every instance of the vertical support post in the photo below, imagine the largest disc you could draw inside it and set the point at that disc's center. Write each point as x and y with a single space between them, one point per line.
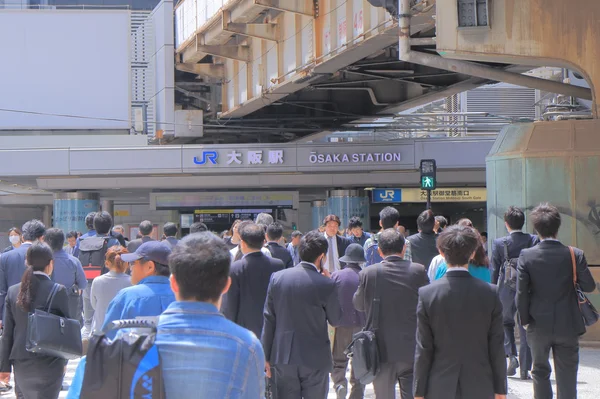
428 199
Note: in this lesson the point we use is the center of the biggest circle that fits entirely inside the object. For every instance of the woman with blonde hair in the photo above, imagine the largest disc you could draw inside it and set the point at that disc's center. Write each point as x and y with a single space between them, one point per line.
107 286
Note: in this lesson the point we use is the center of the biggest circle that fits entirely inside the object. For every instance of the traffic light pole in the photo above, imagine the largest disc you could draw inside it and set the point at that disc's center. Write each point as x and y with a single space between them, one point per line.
428 199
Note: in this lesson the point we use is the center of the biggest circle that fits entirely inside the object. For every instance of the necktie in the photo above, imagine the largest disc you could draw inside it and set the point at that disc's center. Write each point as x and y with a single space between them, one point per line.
330 259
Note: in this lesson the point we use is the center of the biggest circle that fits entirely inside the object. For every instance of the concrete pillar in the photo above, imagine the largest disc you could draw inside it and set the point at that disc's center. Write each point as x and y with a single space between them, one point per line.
70 210
108 206
319 211
47 215
348 203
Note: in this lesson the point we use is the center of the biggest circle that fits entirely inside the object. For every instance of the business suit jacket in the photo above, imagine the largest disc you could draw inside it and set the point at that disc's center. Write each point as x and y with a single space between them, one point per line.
12 344
135 244
244 302
300 303
460 339
281 253
517 242
399 293
12 267
423 248
545 293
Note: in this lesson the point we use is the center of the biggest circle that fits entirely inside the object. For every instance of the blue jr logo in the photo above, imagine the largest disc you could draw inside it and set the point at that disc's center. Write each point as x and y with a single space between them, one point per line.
207 156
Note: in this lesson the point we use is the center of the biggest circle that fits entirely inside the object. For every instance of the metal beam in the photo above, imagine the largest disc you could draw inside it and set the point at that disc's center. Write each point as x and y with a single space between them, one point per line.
216 71
266 31
473 69
233 52
303 7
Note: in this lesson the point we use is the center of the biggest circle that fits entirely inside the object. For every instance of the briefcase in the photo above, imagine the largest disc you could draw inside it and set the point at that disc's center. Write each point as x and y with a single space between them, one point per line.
52 335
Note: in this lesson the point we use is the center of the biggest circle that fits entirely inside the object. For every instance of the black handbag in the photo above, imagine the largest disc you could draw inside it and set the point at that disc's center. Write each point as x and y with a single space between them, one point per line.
363 350
52 335
588 311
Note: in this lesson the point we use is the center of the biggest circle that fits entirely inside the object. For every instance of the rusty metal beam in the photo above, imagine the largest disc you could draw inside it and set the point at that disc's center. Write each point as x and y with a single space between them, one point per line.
303 7
267 31
233 52
216 71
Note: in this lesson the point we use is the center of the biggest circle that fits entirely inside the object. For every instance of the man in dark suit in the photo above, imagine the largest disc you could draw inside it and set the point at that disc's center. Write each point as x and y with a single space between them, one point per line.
459 332
398 288
300 303
274 234
336 244
422 245
548 305
12 264
516 241
244 302
145 229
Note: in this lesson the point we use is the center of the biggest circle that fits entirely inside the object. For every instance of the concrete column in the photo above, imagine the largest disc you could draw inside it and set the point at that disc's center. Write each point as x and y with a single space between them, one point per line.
47 215
70 210
108 206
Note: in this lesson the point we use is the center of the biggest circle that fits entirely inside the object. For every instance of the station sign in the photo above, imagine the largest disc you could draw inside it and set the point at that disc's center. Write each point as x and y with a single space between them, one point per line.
387 196
449 194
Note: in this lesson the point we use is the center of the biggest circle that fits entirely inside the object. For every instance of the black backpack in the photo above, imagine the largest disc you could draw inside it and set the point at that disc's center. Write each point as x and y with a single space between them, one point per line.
124 368
509 268
92 253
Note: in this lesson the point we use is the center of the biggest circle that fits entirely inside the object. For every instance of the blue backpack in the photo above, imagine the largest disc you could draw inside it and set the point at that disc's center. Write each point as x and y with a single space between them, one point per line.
125 368
372 253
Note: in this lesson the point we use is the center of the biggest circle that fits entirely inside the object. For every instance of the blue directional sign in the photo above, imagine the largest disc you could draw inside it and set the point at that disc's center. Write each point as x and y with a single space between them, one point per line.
387 195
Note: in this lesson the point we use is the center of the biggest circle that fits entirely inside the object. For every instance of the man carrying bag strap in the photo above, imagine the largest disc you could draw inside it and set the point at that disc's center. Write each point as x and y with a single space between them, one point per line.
363 349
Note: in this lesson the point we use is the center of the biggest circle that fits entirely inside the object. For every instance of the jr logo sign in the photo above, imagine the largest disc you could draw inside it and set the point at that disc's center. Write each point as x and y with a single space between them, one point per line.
207 156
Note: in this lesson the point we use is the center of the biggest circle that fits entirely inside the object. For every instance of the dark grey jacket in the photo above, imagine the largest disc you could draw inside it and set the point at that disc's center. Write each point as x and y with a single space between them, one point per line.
423 248
546 297
300 303
460 340
12 267
516 242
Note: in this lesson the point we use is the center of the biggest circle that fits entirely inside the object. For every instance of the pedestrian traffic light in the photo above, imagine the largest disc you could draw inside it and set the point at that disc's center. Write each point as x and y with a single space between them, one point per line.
428 169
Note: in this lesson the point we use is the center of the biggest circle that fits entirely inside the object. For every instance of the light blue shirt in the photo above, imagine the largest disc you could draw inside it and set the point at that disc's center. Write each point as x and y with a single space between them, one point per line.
481 273
203 356
150 297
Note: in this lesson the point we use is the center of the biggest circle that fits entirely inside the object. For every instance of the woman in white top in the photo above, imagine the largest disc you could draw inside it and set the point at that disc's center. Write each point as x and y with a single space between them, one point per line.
107 286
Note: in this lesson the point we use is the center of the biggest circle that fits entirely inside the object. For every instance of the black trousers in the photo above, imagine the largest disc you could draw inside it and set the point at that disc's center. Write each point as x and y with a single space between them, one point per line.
296 382
509 310
566 362
39 378
341 340
390 373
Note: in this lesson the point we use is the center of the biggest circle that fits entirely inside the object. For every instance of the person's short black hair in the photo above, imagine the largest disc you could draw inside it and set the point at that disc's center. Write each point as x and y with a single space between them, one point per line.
391 242
484 234
146 228
102 223
72 234
354 222
274 231
55 238
312 245
89 220
442 221
296 233
198 227
33 230
458 244
253 235
200 264
389 217
170 229
546 220
426 221
514 218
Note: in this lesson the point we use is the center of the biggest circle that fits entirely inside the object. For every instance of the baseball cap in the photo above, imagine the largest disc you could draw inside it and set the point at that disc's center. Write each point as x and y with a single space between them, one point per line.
155 251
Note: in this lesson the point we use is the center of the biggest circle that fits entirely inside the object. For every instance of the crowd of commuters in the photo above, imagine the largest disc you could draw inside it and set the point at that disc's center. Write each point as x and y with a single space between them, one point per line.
242 314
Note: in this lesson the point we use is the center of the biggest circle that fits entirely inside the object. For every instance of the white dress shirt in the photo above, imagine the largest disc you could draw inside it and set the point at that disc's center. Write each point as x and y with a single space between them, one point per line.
332 241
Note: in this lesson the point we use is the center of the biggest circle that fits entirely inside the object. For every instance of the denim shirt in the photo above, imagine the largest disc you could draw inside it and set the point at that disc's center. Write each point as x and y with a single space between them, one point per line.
150 297
203 356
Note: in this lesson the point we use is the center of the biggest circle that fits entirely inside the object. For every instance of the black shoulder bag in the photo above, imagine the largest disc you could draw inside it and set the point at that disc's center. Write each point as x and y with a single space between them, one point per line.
52 335
363 349
589 314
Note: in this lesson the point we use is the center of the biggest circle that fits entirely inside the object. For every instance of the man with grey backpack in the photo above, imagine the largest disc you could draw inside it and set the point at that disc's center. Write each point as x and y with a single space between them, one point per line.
505 253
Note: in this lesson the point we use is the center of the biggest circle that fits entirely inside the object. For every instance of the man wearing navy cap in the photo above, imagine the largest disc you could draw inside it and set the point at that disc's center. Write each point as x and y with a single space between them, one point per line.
151 293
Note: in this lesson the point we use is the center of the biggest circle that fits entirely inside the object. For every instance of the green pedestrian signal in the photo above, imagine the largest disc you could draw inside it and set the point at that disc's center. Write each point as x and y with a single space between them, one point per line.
428 170
427 183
